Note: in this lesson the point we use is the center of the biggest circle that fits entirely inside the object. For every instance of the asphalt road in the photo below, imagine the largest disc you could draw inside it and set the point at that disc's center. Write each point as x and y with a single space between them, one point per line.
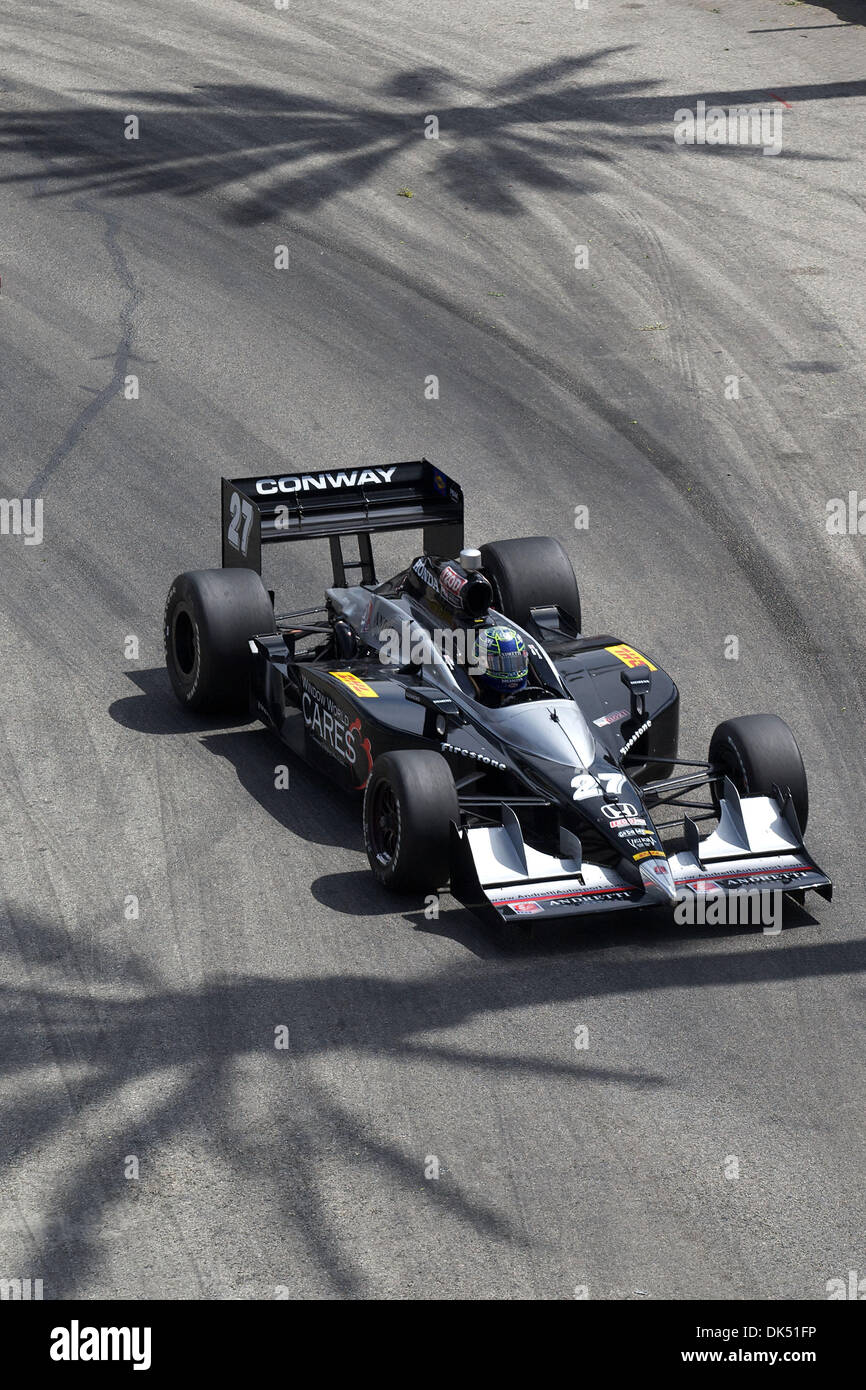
303 1169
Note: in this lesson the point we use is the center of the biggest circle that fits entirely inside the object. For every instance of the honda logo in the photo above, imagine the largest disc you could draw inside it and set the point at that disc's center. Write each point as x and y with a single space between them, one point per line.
614 810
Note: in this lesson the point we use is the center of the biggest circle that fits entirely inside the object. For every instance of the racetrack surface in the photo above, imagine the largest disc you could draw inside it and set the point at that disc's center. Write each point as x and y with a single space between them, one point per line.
412 1039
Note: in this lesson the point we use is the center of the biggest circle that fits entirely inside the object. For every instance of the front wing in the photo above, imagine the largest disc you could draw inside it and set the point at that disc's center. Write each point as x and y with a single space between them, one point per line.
758 846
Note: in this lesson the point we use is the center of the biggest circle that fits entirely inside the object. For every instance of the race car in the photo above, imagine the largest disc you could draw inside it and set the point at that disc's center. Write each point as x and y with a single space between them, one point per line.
499 751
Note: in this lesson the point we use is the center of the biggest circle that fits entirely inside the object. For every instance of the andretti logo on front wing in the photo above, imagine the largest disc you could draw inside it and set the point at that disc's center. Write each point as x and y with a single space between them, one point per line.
756 879
572 899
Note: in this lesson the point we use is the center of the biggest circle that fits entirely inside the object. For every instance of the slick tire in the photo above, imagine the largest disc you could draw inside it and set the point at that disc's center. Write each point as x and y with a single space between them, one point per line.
409 803
534 572
757 751
210 616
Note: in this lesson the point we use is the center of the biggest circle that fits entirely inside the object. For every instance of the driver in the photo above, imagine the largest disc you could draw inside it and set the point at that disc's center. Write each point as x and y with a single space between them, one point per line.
506 665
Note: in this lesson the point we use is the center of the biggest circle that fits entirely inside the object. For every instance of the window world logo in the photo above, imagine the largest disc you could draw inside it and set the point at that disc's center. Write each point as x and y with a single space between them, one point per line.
739 125
20 1289
77 1343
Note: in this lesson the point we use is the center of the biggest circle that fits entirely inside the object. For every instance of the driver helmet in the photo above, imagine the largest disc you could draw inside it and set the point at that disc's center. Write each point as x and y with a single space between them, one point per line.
507 664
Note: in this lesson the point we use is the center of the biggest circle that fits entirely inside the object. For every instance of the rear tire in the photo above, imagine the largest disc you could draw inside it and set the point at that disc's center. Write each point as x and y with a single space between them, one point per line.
409 803
756 751
210 616
533 572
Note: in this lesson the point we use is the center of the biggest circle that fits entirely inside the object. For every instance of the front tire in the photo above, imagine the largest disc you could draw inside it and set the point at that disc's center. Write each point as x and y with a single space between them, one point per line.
533 572
410 802
210 616
758 751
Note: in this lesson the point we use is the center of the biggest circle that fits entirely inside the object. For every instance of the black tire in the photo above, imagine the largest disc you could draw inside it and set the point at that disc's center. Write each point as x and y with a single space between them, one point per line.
409 803
534 572
210 616
757 751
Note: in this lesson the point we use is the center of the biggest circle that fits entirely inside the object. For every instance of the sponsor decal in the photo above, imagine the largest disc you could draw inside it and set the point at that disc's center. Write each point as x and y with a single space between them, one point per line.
322 482
525 905
626 654
574 898
613 718
629 743
439 483
447 583
428 576
615 809
329 726
628 820
649 854
746 880
451 581
355 684
470 753
355 728
738 879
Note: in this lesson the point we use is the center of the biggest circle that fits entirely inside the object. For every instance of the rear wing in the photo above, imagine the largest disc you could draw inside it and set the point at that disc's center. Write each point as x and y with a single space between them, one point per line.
341 502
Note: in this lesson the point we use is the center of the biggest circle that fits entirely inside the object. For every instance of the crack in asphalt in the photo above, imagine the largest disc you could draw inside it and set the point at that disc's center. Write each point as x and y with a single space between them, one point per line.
122 355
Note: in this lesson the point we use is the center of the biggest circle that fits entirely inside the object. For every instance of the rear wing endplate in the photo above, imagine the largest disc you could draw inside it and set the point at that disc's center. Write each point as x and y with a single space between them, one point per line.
340 502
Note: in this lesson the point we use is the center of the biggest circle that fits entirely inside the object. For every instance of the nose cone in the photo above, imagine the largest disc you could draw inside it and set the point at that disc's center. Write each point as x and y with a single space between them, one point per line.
659 881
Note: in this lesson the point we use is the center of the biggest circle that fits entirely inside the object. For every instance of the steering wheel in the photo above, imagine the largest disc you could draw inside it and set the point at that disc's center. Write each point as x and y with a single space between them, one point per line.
535 692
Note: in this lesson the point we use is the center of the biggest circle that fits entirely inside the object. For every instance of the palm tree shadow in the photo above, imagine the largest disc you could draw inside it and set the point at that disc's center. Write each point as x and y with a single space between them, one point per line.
284 151
172 1055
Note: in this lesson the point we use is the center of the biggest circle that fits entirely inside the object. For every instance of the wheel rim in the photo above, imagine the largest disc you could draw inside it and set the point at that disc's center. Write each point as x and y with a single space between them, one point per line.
384 823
